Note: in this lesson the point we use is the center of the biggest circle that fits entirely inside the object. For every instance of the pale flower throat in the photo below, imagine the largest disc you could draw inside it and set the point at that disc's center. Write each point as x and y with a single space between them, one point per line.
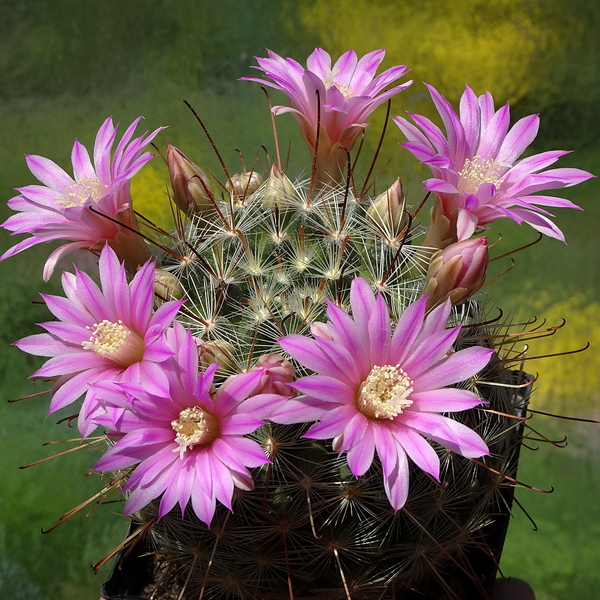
194 427
477 171
115 341
346 91
87 187
384 393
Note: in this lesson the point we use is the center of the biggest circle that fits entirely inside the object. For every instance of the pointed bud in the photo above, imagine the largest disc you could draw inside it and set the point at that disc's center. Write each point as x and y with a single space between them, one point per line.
456 272
279 190
217 351
166 287
192 190
244 184
387 210
439 233
278 372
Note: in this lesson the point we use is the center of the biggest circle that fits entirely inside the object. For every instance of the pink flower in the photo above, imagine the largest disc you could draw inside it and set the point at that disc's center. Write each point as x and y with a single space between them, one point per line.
63 208
375 391
477 176
188 444
341 97
108 334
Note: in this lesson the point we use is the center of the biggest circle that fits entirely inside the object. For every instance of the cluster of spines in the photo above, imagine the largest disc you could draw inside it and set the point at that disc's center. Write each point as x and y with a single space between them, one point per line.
254 272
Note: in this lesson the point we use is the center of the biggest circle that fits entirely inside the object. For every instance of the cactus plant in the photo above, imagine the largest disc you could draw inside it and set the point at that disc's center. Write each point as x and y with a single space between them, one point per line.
332 415
310 527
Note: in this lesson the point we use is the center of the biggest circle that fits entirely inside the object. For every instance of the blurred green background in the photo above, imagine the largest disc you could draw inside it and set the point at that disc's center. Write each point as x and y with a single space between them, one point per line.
65 66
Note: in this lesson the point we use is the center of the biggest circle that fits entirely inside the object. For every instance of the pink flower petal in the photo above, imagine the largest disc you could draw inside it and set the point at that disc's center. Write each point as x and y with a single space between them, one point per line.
333 423
396 482
522 133
379 333
49 173
68 389
303 409
471 119
457 367
326 389
234 390
417 448
447 432
252 452
313 355
443 400
360 456
407 330
430 351
82 165
222 482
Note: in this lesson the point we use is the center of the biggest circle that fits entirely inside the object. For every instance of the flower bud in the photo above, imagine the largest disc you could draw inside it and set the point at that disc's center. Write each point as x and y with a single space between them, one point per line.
166 287
279 190
439 233
217 351
387 210
244 184
192 190
278 372
456 272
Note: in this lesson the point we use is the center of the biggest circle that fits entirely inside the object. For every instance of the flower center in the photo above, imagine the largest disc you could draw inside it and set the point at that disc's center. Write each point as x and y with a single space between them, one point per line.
78 193
194 427
346 91
115 341
384 393
477 171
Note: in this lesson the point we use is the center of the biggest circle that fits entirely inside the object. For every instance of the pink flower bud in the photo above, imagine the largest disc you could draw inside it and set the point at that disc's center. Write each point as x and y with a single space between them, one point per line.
278 372
456 272
192 190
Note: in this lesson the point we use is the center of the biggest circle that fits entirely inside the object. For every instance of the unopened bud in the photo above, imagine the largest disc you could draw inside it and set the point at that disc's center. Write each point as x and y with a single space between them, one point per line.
192 190
456 272
244 184
387 210
278 372
279 190
166 287
217 351
439 234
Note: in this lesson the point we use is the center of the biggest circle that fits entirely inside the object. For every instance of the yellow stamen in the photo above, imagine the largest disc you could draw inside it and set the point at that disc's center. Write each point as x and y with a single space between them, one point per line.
194 427
477 171
87 187
384 393
346 91
115 341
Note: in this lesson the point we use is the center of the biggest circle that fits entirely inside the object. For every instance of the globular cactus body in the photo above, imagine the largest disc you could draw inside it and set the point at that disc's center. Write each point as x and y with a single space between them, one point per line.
309 528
